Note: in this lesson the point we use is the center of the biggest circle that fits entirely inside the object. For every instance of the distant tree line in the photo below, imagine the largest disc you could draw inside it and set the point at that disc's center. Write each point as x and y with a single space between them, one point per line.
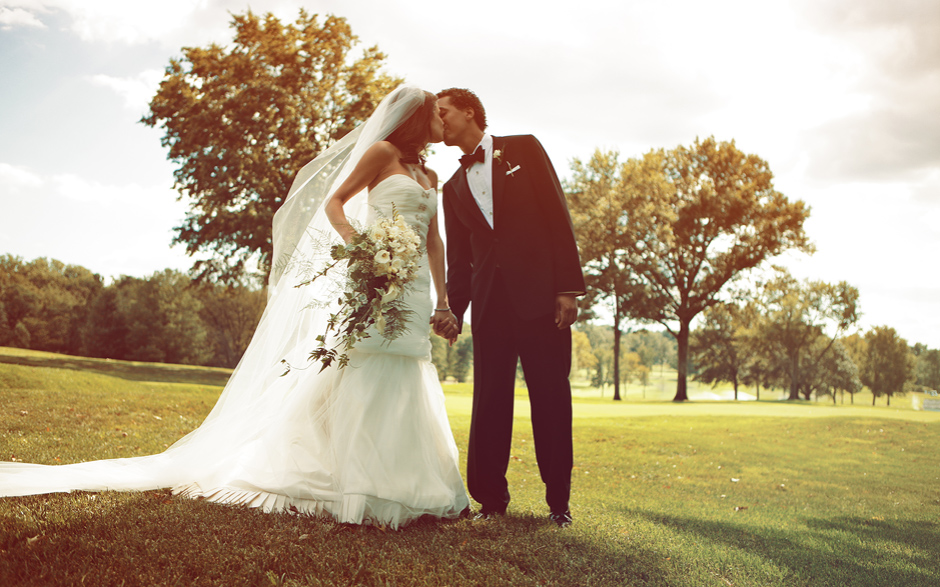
640 352
47 305
793 335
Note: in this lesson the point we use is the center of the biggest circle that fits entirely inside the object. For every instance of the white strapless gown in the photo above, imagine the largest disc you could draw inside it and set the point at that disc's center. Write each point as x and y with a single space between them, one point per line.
370 443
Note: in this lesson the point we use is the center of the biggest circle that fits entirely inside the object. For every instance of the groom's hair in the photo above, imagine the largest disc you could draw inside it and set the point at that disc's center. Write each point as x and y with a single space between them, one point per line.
463 99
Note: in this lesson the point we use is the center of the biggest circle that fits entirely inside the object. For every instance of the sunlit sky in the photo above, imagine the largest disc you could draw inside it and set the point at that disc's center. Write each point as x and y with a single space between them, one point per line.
841 97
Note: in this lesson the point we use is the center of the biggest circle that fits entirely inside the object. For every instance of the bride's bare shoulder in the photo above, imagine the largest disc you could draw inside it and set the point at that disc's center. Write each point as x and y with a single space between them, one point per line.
382 150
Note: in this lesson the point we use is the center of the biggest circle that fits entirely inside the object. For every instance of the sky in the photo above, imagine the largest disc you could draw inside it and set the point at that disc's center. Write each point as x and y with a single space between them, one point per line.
840 97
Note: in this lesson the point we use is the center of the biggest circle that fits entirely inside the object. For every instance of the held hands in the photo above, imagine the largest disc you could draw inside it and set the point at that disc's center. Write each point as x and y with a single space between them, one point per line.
566 310
444 324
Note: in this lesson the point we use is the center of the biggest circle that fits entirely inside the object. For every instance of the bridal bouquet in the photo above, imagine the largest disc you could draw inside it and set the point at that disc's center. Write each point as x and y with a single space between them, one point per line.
382 264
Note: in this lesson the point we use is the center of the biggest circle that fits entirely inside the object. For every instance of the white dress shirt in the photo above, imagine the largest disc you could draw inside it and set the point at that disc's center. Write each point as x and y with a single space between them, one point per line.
480 179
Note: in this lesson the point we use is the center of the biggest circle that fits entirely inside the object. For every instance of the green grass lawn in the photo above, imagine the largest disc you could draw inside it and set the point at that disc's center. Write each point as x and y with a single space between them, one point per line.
703 493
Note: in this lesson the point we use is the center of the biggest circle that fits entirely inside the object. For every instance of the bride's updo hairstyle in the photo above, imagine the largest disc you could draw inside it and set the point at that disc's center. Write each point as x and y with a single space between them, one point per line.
412 136
461 99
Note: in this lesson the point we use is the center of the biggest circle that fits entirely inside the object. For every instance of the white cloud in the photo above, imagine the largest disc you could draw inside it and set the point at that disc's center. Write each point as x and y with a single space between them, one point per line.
16 179
136 91
11 18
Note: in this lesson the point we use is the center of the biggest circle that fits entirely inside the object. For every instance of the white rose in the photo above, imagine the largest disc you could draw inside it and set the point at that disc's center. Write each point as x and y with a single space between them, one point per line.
382 257
377 232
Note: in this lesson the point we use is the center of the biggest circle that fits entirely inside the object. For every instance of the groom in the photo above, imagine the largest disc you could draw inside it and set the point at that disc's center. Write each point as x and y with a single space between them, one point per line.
511 251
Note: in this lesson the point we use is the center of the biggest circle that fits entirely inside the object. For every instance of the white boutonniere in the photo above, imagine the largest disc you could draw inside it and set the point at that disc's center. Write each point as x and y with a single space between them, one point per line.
498 157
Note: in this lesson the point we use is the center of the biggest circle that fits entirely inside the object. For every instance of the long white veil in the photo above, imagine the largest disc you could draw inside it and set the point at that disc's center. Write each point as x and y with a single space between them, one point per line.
256 392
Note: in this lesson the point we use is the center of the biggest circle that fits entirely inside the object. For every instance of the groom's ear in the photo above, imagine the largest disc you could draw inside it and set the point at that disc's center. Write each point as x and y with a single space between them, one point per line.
470 113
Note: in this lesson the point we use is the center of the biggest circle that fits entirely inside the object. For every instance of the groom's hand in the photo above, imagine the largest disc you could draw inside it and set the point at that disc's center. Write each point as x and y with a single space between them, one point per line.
566 310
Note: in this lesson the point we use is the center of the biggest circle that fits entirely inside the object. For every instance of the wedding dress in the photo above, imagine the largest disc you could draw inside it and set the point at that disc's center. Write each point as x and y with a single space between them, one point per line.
369 443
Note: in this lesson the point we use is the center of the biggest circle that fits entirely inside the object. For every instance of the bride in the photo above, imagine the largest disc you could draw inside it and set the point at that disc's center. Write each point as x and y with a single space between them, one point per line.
368 443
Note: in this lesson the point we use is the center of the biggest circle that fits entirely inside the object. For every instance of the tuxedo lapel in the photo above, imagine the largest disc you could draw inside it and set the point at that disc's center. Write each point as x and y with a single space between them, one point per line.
500 167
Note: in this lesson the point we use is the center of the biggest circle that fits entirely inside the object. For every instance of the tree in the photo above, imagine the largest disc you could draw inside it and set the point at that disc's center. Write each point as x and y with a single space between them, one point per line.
155 319
21 336
722 347
689 221
462 357
106 328
836 371
6 333
801 323
230 315
928 368
48 298
597 201
601 340
453 360
632 368
582 354
240 121
857 349
888 365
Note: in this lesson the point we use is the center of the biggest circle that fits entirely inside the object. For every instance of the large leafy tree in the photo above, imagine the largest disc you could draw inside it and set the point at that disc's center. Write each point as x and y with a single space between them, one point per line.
687 222
241 120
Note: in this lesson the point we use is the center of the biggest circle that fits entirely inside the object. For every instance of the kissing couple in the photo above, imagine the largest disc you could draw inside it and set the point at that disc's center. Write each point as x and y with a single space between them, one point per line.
370 442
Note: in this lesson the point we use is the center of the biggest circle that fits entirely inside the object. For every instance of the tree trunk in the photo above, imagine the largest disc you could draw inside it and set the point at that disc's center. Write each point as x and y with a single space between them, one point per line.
735 389
794 378
682 369
888 395
873 397
616 358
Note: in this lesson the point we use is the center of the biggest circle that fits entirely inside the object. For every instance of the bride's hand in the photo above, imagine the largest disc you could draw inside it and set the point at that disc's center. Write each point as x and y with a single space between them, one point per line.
444 324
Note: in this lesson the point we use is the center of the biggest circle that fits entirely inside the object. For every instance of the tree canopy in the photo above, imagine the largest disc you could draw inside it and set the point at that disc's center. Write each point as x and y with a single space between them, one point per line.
241 120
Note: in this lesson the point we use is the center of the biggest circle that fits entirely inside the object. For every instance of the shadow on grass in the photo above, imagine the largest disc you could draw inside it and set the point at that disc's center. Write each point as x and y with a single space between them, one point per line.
154 539
839 551
132 371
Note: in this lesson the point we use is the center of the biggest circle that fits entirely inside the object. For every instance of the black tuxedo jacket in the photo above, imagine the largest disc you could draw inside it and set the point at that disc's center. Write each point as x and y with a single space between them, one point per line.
531 245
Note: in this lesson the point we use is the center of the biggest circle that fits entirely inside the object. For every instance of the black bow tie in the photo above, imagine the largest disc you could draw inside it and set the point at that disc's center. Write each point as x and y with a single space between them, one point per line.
478 156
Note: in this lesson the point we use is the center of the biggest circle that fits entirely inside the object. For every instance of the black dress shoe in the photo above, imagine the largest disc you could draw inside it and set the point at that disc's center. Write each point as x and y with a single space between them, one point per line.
489 513
562 520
